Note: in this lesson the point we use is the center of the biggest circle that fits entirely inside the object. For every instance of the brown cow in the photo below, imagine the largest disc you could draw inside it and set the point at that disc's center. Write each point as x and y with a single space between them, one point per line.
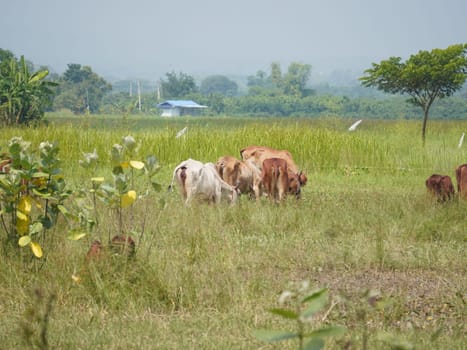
258 154
242 175
275 178
461 177
440 186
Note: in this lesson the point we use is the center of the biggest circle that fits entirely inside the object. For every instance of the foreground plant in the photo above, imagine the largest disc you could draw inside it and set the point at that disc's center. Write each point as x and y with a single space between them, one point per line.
32 193
304 303
120 193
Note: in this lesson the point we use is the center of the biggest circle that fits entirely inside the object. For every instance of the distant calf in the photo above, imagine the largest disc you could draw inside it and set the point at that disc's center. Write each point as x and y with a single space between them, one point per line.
440 186
461 177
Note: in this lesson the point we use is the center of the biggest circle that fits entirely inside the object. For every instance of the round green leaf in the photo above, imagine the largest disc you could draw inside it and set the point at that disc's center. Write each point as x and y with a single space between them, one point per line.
24 241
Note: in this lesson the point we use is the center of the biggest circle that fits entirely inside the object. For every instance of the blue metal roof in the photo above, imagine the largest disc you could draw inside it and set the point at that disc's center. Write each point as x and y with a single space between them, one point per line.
180 103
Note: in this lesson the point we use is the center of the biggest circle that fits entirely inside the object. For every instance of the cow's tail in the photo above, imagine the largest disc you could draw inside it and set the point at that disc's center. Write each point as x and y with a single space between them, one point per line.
183 167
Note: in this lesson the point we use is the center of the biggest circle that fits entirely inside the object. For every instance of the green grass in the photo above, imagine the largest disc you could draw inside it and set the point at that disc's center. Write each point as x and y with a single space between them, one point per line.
205 276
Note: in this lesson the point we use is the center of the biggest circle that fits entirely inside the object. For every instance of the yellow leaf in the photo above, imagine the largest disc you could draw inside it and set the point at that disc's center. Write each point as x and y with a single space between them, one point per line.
136 164
22 226
24 241
127 199
97 179
36 249
125 165
21 216
24 204
76 236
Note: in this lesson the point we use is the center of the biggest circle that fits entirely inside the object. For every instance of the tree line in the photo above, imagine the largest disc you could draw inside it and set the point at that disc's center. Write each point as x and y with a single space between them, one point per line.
425 80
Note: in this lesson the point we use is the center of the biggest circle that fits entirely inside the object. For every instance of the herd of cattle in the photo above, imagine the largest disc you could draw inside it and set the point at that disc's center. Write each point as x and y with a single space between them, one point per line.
261 171
442 188
265 171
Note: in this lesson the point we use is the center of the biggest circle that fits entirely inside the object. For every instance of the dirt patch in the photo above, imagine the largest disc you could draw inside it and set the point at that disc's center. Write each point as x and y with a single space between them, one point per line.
419 298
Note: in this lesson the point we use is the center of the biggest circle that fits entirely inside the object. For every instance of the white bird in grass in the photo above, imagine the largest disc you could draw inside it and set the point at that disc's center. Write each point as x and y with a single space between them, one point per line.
354 125
461 140
181 132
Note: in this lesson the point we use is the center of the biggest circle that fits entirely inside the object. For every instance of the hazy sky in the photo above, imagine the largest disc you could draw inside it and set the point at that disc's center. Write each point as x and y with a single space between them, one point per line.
147 38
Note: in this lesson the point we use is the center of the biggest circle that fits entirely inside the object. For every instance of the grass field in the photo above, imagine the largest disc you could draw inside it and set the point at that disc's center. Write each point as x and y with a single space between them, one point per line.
204 277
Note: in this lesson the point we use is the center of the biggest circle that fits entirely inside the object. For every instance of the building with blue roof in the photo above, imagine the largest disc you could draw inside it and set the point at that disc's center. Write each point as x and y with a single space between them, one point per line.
176 108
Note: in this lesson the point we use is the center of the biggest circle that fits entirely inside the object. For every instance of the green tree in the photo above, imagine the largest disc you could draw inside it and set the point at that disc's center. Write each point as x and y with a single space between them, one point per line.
260 79
178 86
276 75
6 55
425 76
81 89
295 80
23 95
218 84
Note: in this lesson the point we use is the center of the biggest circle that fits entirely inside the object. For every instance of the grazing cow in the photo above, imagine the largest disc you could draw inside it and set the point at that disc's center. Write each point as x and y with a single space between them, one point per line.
275 178
202 181
440 186
258 154
461 177
242 175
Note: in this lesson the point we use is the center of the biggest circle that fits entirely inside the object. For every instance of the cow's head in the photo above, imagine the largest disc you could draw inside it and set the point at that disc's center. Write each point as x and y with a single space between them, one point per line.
302 178
295 186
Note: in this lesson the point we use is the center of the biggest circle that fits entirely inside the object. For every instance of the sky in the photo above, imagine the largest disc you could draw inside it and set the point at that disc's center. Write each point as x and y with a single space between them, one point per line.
147 38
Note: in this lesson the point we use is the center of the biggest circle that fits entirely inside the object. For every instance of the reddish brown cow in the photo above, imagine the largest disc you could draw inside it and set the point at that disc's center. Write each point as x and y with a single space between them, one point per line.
440 186
461 177
275 178
258 154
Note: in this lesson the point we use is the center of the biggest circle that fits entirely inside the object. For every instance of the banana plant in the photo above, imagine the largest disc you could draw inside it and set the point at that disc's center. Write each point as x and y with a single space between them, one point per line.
23 95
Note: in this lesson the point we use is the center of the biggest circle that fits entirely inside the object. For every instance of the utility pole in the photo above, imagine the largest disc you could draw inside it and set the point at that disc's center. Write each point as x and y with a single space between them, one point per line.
139 96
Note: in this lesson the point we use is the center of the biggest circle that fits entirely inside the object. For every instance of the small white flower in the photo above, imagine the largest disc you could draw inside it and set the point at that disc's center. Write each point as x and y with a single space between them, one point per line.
45 147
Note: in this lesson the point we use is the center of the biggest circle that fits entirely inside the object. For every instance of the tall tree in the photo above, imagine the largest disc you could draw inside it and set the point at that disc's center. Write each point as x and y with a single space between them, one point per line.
295 80
23 94
425 76
81 89
276 75
178 86
219 84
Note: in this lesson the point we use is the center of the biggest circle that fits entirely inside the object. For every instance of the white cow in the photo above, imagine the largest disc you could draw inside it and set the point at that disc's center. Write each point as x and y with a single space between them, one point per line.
198 180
